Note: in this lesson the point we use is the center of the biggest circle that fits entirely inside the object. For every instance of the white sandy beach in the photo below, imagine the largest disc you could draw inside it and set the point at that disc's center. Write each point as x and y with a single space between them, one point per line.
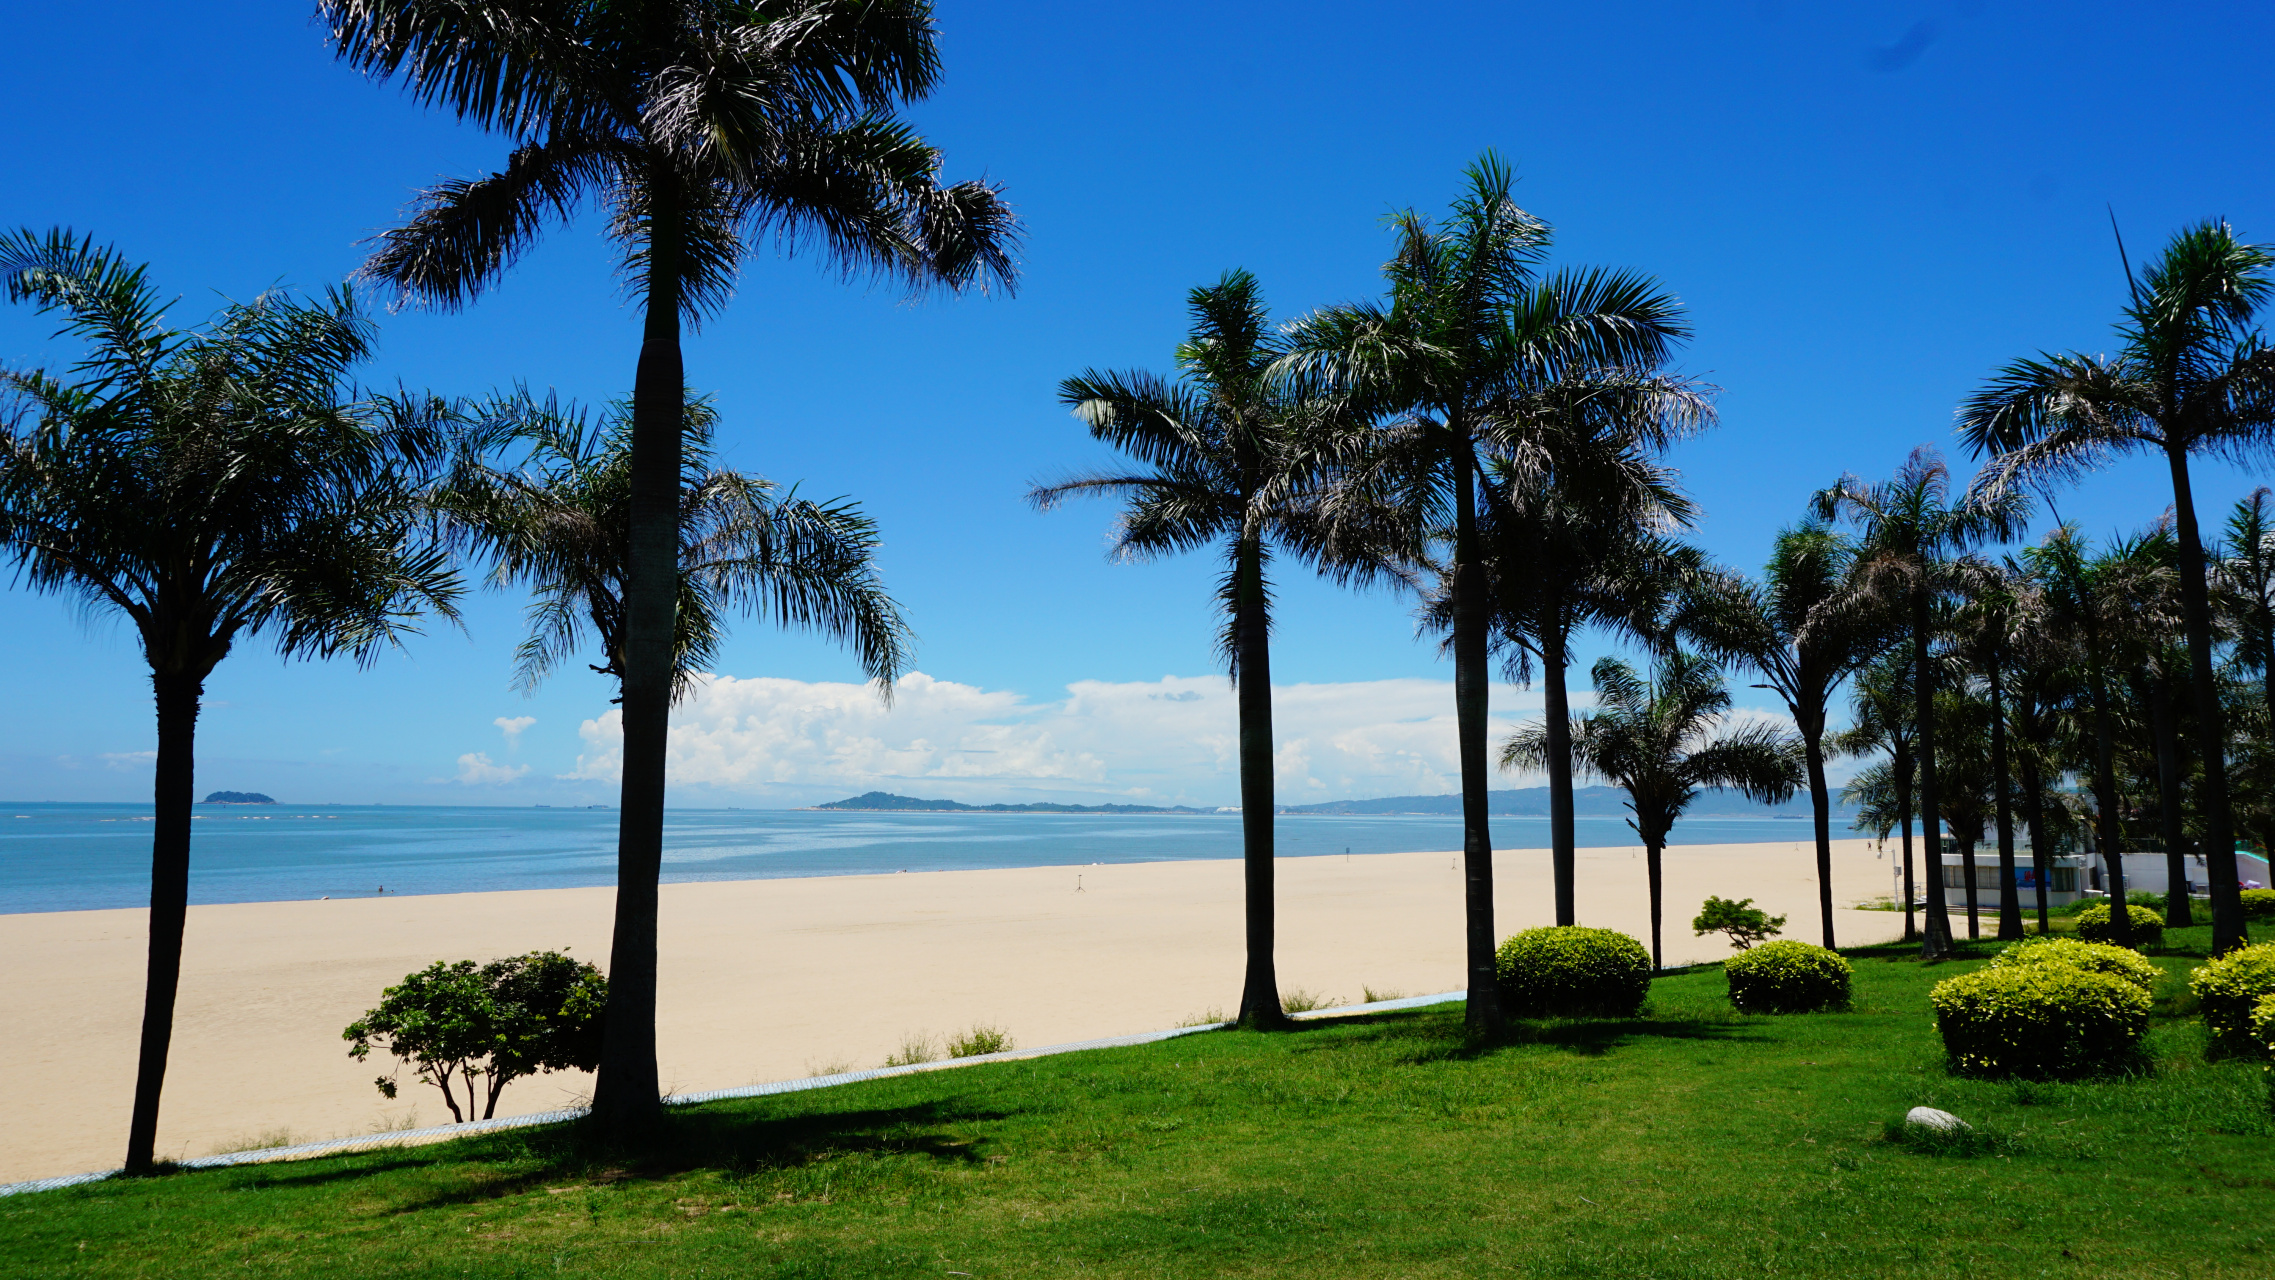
773 979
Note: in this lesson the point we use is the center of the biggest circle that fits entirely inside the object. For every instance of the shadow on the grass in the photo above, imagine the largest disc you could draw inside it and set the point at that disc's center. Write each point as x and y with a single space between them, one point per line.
518 1161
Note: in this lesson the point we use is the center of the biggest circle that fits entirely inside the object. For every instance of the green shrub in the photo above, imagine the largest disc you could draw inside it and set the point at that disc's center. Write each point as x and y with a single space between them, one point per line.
2148 926
980 1039
1787 977
2229 989
1742 920
2263 1030
2259 904
2093 957
1571 972
2039 1020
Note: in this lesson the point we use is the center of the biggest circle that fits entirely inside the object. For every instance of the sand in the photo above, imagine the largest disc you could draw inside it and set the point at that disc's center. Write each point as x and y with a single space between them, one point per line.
775 979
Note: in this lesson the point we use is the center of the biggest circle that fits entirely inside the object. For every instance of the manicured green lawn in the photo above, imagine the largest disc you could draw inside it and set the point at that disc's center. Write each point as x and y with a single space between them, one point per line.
1689 1142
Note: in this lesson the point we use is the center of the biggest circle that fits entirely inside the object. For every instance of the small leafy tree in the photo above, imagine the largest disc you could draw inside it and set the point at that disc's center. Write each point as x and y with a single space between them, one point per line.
1746 923
458 1023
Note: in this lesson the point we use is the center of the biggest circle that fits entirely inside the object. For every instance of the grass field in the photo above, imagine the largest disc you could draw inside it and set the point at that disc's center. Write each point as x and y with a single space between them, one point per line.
1690 1142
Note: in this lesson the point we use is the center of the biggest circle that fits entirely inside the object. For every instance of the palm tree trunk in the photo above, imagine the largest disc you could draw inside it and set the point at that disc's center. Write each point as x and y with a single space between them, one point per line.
1820 811
1651 849
2010 893
2211 721
173 794
1470 691
1967 873
2161 723
2105 806
1936 943
1260 986
1563 860
1904 819
627 1095
2034 813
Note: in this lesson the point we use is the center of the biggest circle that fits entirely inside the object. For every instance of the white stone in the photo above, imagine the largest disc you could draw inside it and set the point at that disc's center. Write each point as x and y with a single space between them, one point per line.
1930 1118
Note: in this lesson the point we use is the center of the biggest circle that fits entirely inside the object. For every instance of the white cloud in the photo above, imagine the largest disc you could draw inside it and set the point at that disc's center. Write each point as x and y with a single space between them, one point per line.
129 759
475 769
512 727
1172 740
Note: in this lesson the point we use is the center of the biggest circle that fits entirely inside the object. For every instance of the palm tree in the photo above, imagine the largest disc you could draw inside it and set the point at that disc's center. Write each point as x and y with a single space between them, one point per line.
1968 787
1881 710
2245 577
2193 375
1985 631
1662 740
212 485
1224 464
1807 626
1911 532
2040 690
703 126
1472 357
2095 601
1586 546
559 526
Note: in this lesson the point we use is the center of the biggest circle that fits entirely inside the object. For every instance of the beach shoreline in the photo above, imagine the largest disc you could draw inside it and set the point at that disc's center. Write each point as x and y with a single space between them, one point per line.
771 979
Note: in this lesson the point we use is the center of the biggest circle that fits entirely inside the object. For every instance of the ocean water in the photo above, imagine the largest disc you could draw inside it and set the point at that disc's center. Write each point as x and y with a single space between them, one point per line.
71 857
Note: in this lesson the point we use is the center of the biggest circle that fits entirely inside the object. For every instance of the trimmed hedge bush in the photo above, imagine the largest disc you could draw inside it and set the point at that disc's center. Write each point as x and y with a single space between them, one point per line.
2263 1031
2039 1020
2230 988
2093 957
1787 977
1572 972
2259 904
2148 925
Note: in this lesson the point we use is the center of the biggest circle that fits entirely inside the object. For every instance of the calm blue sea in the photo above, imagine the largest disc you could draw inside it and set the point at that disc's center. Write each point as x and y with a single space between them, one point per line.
71 857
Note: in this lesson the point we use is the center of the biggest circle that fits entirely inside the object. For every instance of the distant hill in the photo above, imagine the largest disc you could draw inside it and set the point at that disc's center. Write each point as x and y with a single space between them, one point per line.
1529 802
882 801
238 797
1587 802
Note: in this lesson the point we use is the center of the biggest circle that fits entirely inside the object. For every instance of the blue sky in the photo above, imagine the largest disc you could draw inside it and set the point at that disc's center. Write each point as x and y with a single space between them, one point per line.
1866 207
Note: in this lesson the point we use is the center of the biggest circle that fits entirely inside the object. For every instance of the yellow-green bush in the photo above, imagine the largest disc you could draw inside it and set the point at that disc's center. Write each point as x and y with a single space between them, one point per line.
2263 1030
1572 972
2229 988
1787 977
2148 926
2039 1020
2259 904
2093 957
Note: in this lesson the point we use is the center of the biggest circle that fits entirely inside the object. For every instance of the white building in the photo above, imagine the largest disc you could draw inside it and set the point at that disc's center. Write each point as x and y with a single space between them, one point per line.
2074 876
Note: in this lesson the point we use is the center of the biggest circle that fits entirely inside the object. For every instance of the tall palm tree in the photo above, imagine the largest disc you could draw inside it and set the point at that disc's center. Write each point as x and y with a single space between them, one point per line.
1985 630
2095 600
557 523
1911 532
1225 464
1661 740
212 485
1808 625
703 126
1967 786
1881 708
1587 546
1473 356
2245 577
2040 689
2193 375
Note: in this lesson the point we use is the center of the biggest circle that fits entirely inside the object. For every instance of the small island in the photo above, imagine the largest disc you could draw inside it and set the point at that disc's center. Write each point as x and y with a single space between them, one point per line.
238 797
883 801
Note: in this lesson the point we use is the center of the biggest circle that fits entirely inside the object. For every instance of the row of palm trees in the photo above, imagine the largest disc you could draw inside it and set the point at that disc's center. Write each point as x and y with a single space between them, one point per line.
152 484
1490 434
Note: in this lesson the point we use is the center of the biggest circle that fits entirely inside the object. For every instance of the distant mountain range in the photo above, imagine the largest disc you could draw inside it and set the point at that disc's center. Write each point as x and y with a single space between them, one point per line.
1530 802
1587 802
885 801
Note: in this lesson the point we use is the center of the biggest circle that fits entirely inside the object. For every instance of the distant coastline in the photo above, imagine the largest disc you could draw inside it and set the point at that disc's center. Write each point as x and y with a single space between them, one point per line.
886 802
237 797
1525 802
